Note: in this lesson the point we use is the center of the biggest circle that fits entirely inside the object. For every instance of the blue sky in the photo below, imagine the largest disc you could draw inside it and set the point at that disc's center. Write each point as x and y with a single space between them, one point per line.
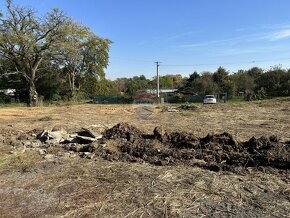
185 35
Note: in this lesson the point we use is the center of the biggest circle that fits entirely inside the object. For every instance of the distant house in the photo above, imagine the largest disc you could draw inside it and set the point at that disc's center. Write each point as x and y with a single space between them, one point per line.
161 91
144 97
187 91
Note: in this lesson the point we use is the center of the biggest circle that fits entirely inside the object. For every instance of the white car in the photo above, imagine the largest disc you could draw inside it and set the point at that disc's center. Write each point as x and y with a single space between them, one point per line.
209 99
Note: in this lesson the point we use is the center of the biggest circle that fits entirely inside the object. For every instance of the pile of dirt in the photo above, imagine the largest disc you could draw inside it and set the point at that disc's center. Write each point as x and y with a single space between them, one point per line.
124 131
176 139
184 107
268 151
124 142
215 152
188 107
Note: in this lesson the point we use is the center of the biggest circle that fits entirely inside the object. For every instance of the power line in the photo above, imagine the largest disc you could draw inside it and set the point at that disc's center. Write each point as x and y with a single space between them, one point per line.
199 64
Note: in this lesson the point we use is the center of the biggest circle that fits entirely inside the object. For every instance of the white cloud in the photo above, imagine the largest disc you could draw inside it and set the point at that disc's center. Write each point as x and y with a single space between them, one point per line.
221 42
284 34
249 50
242 39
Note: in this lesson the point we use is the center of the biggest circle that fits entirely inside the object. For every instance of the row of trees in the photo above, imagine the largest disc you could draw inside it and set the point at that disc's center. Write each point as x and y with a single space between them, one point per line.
130 86
254 83
54 84
53 55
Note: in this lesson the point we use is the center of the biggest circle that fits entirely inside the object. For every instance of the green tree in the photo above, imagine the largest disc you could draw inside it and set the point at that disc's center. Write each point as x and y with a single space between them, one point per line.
82 53
178 81
52 85
31 44
244 82
220 76
26 40
271 81
166 82
230 88
137 83
107 87
192 79
255 72
285 84
205 84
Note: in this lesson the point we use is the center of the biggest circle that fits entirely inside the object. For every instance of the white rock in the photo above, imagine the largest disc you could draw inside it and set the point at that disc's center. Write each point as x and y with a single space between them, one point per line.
42 151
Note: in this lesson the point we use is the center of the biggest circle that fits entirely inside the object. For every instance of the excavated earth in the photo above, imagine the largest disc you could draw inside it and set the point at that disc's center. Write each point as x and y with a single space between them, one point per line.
124 142
214 152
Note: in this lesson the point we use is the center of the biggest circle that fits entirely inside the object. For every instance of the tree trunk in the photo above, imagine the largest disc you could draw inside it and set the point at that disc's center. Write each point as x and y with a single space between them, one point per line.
71 77
33 95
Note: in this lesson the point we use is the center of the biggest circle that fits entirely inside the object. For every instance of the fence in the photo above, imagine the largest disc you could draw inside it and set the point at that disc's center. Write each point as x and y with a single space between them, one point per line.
112 100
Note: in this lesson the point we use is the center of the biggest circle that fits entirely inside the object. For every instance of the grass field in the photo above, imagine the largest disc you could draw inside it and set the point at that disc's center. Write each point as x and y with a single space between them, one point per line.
31 186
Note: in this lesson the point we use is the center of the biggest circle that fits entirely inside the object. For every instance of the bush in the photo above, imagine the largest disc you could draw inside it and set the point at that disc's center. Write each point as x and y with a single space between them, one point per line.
5 98
258 95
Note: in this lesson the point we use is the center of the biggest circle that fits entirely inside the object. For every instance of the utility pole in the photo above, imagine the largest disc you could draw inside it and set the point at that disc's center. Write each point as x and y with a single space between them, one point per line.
157 70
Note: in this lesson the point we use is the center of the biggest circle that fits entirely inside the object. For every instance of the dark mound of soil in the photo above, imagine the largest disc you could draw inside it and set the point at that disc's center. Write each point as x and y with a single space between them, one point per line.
262 144
220 142
123 130
215 152
188 107
176 139
268 151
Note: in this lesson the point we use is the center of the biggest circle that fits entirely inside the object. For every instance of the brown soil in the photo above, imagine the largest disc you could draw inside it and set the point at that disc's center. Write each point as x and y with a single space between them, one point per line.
215 152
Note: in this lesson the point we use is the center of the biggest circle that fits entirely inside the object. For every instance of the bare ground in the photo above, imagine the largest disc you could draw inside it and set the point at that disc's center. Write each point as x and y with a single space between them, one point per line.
31 186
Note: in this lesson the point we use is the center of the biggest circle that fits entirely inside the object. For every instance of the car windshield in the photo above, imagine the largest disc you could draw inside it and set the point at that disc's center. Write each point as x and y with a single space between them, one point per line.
209 96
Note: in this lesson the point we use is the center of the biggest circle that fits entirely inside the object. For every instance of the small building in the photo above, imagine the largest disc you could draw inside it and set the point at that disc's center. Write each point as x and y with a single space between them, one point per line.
161 91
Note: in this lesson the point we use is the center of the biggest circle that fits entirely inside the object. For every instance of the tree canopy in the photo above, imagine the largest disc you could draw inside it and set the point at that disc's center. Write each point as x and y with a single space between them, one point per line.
30 44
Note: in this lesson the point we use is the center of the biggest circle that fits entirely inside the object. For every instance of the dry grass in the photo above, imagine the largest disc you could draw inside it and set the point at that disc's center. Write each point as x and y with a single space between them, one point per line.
79 188
243 120
75 187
